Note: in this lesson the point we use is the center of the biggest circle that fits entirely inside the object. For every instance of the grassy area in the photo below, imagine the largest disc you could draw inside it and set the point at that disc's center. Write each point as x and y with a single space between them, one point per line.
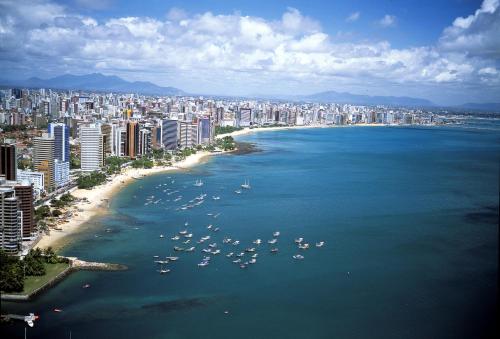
34 282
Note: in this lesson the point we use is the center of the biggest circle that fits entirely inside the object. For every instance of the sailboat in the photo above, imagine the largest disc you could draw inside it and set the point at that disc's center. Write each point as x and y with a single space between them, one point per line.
198 183
246 185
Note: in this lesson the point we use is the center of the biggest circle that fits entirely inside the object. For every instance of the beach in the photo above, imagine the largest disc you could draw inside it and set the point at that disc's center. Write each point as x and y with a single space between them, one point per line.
97 199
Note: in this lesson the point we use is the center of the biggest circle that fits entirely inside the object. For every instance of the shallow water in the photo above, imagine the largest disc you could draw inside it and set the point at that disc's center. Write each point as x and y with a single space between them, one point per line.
409 217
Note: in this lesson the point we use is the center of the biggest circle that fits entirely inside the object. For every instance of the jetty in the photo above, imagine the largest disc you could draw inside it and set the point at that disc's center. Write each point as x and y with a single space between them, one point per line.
75 264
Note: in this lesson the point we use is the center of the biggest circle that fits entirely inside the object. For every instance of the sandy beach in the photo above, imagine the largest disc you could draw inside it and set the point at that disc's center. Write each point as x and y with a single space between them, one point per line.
99 196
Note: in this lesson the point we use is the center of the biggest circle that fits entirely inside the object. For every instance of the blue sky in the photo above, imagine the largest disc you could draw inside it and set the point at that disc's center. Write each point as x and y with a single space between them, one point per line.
445 51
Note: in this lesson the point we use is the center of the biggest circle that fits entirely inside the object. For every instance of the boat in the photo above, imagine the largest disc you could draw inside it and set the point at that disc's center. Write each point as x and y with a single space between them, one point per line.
237 191
161 236
243 266
252 249
216 215
203 264
257 242
209 227
237 261
252 261
216 197
163 271
175 237
183 232
156 256
86 286
216 252
304 246
198 183
299 240
187 241
320 244
255 255
190 235
240 254
57 310
205 237
226 240
216 229
273 241
298 257
276 234
172 258
207 250
274 250
246 185
237 242
230 254
191 249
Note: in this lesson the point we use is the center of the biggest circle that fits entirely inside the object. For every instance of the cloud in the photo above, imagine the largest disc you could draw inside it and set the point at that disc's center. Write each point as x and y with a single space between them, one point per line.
353 17
238 54
477 34
387 21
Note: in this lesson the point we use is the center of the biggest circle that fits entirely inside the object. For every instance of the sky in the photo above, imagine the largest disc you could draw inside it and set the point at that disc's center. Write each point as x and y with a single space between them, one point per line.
444 51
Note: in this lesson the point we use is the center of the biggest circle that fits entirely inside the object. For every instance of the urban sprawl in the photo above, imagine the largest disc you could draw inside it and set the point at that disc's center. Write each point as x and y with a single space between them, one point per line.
53 141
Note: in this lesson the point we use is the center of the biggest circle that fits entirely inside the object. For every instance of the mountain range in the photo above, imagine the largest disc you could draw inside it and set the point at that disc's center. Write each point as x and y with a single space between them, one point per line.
96 82
111 83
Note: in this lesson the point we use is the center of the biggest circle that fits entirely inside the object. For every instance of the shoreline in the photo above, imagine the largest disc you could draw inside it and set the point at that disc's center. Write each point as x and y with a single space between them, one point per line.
99 196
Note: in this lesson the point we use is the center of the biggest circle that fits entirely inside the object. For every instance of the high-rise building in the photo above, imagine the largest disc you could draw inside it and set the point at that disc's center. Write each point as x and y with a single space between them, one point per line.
91 148
188 134
144 142
206 131
60 133
8 161
10 221
169 134
24 193
34 178
132 142
106 130
43 159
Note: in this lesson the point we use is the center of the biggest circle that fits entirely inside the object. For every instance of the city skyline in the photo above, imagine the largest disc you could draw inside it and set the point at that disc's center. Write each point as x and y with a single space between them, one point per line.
446 52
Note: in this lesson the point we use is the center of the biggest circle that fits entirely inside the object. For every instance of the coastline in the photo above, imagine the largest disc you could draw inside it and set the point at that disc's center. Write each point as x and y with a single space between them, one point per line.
99 196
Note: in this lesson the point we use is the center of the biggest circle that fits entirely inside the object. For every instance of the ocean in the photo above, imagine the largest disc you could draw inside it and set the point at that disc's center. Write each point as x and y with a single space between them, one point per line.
409 217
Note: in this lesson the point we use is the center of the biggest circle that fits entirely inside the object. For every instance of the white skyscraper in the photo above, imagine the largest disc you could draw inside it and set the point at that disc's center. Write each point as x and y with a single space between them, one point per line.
91 148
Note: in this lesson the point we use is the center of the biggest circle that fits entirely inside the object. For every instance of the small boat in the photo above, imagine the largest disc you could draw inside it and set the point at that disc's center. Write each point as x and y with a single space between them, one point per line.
240 254
274 250
252 261
203 264
255 255
156 256
216 215
190 235
215 197
276 234
175 238
57 310
243 266
86 286
191 249
198 183
299 240
246 185
183 232
226 240
298 257
251 249
257 242
273 241
237 261
237 191
320 244
164 271
216 229
187 241
207 250
209 227
216 252
172 258
304 246
230 254
162 236
213 245
237 242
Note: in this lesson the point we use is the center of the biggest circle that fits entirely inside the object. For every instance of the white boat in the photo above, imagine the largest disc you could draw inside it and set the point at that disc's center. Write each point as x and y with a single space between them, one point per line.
172 258
299 240
273 241
252 249
209 227
190 235
252 261
216 229
191 249
216 252
320 244
175 237
205 238
198 183
183 232
203 264
230 254
255 255
237 242
246 185
226 240
274 250
257 242
187 241
207 250
162 236
304 246
212 245
276 234
164 271
237 261
215 197
298 257
237 191
240 254
179 249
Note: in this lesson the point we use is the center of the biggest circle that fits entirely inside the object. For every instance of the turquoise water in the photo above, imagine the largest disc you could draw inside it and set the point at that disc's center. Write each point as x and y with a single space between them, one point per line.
409 217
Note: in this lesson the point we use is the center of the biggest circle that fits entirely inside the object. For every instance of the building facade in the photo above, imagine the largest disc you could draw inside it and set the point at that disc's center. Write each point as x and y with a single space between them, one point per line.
91 148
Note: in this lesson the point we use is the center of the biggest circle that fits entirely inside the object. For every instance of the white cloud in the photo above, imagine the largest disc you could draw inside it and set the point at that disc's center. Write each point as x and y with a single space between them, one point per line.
387 21
353 17
236 53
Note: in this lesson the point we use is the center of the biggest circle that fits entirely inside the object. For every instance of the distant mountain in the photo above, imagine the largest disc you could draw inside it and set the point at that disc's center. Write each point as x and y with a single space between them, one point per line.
489 106
358 99
96 82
